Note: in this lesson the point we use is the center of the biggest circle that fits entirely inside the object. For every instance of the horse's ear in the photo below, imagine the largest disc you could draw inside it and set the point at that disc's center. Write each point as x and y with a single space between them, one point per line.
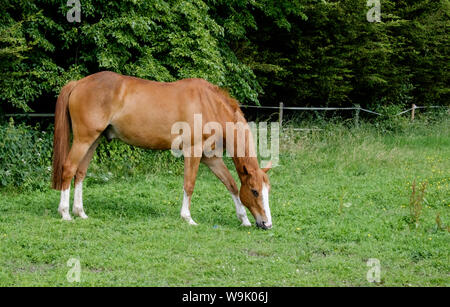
268 167
244 170
247 171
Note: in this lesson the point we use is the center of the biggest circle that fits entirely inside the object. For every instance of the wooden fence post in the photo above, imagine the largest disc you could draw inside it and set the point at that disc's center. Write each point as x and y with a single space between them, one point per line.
280 115
358 109
413 111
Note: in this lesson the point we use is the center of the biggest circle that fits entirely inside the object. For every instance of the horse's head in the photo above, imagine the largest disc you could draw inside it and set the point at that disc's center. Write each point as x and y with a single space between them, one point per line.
254 194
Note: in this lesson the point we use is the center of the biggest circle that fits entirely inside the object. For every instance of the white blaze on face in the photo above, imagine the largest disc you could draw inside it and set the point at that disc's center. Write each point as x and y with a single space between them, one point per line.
265 197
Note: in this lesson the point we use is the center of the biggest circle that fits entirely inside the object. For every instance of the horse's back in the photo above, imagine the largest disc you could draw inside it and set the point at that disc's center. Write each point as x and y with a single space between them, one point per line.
142 112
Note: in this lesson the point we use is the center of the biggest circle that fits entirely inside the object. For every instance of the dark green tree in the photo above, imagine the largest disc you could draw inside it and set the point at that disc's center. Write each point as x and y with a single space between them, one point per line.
301 52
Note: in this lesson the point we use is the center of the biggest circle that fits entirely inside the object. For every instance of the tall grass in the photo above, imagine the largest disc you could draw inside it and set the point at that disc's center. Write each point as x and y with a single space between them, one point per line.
26 151
416 202
339 197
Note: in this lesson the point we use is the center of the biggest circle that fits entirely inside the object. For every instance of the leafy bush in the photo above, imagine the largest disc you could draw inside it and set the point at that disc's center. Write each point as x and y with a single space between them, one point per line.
391 121
116 159
26 154
25 151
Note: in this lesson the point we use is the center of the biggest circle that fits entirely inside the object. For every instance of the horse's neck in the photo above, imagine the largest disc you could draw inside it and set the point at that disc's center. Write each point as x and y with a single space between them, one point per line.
248 159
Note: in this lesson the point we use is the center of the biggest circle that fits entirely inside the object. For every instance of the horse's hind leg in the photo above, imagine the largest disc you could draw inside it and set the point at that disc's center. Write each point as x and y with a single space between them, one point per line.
191 165
76 154
218 167
79 177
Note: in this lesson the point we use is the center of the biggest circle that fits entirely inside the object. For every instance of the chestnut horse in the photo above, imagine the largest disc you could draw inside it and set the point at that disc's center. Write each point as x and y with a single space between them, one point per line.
141 113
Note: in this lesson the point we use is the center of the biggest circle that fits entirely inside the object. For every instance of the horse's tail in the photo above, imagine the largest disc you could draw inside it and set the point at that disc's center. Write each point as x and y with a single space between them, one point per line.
61 138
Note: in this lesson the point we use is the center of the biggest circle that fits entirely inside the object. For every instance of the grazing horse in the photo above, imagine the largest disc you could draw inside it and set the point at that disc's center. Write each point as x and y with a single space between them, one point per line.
142 113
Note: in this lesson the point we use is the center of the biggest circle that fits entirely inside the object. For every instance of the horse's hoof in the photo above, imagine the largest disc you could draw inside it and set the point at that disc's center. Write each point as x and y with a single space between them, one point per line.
80 214
245 221
191 222
188 219
66 217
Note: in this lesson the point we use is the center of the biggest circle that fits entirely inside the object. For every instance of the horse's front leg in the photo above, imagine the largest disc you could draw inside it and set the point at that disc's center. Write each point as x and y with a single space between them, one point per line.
191 165
218 167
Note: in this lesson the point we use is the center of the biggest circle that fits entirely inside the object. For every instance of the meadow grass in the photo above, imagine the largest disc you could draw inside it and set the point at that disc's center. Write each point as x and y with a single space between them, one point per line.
340 196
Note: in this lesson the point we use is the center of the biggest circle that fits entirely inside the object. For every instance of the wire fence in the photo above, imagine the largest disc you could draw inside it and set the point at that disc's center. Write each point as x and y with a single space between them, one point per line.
280 109
356 108
336 108
30 115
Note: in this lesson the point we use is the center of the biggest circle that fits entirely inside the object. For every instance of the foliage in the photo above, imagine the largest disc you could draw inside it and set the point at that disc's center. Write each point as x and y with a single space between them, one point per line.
135 236
158 40
26 151
25 156
301 52
335 56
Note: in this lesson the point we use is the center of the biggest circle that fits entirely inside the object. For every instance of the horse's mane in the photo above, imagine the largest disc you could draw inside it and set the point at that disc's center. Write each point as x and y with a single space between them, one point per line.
225 95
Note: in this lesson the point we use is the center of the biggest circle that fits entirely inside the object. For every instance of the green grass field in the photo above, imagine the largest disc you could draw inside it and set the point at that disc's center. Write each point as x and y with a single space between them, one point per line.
340 197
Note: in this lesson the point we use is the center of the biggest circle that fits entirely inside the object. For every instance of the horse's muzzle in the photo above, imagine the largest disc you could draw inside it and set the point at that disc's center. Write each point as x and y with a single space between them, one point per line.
263 225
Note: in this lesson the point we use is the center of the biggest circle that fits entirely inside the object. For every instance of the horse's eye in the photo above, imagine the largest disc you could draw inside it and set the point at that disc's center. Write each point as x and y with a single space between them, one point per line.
255 193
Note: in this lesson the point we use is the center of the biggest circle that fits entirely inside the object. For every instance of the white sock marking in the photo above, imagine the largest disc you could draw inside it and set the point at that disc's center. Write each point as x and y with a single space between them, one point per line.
240 211
78 201
63 208
265 196
185 212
